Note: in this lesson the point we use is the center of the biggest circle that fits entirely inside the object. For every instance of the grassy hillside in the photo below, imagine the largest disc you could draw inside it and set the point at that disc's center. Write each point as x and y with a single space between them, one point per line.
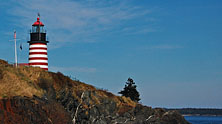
33 95
29 81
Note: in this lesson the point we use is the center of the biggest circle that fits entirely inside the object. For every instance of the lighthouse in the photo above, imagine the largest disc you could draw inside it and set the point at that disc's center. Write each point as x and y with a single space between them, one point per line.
38 56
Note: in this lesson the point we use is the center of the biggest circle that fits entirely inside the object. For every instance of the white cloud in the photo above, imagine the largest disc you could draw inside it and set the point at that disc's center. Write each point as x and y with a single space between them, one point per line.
77 21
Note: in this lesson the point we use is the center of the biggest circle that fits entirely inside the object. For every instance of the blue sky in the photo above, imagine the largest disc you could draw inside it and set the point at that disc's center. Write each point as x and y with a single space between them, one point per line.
171 48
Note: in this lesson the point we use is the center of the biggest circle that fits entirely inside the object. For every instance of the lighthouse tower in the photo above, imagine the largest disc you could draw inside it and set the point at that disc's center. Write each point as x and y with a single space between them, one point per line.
38 46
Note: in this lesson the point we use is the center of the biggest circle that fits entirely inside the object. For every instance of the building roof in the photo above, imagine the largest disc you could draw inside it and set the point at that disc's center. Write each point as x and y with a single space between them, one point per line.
37 23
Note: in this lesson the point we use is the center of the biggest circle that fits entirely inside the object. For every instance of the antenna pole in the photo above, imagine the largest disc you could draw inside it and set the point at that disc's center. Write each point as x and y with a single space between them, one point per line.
16 60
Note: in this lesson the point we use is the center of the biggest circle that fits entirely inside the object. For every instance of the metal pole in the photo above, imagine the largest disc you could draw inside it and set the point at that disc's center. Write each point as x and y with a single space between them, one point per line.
15 50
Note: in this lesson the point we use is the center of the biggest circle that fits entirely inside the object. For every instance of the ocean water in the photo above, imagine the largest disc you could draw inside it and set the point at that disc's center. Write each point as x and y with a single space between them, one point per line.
204 119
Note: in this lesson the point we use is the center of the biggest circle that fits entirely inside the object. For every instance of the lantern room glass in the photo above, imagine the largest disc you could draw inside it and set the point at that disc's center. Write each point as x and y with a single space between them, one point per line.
38 29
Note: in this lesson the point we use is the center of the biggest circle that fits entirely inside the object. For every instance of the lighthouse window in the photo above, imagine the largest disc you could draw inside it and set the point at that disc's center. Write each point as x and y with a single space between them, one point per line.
42 29
36 29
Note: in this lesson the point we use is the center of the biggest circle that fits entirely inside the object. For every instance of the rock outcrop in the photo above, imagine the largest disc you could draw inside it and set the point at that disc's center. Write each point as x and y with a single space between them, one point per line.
33 96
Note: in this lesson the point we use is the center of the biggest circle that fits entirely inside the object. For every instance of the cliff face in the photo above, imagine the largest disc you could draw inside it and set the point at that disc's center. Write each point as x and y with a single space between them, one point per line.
32 95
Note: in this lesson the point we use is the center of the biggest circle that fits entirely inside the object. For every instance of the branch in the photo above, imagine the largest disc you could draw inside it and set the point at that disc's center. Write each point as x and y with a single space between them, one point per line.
75 116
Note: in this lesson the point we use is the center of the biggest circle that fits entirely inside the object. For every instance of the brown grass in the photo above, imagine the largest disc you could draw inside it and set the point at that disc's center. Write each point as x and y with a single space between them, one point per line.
29 81
18 81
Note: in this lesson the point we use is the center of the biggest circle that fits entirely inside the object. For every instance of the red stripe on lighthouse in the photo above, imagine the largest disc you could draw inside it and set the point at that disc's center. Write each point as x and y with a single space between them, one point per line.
39 63
38 58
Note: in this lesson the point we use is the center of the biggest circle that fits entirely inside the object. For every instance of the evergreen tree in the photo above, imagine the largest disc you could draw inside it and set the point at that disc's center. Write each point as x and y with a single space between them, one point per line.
130 90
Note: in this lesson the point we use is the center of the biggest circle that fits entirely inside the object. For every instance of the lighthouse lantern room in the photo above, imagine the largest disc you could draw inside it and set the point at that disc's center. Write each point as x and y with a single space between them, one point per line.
38 46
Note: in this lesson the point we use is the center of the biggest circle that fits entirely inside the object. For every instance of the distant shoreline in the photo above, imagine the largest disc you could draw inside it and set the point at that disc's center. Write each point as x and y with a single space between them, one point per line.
201 115
198 111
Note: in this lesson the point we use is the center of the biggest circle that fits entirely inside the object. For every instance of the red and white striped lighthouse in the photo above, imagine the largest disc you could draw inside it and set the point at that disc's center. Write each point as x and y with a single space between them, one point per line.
38 46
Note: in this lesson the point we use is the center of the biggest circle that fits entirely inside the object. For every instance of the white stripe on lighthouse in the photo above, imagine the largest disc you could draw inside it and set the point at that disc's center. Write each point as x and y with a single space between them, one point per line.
37 61
38 55
37 50
41 66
